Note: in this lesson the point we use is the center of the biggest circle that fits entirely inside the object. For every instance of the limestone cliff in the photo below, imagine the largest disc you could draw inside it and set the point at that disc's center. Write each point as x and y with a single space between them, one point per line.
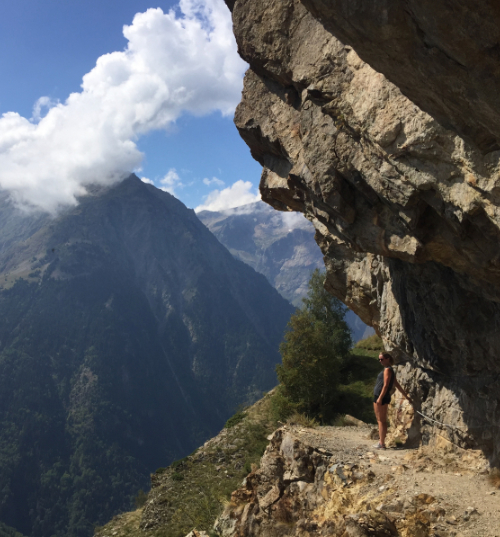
404 199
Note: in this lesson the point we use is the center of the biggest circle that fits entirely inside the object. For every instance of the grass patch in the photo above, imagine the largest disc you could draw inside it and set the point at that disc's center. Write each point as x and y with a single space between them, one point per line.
301 419
356 399
125 525
359 374
372 343
361 365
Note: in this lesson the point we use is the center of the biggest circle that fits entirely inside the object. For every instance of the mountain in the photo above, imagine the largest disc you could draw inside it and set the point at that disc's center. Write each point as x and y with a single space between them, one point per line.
279 245
128 335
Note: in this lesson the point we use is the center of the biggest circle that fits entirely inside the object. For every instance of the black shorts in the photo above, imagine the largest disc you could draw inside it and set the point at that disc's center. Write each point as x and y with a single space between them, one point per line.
385 401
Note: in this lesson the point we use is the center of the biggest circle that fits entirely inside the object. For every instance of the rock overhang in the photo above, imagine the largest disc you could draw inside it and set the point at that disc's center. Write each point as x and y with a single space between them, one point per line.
405 203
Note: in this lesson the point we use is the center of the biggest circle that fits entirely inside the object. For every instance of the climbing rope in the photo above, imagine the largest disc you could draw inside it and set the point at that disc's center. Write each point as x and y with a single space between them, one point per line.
452 426
439 422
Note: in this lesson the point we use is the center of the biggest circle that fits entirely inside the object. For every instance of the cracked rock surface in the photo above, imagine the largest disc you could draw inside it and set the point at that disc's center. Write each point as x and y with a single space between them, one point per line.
405 204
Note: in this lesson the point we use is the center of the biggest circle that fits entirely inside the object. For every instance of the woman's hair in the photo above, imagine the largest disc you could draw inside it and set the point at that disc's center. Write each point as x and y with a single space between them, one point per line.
389 357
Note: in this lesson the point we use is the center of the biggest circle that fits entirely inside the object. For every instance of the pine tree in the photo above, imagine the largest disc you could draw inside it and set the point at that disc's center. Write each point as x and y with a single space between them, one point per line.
315 347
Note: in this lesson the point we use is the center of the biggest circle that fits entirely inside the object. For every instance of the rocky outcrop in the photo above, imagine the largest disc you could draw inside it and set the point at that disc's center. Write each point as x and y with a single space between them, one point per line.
302 489
404 199
445 57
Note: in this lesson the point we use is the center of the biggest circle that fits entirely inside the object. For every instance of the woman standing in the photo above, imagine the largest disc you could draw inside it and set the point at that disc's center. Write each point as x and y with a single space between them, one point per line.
382 395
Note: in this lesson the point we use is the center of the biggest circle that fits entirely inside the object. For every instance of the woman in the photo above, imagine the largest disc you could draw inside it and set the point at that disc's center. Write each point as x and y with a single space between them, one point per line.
382 395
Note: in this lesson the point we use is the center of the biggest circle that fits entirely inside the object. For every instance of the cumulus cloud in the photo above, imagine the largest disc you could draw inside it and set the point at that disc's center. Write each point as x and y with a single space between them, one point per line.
170 181
240 193
175 62
213 181
41 104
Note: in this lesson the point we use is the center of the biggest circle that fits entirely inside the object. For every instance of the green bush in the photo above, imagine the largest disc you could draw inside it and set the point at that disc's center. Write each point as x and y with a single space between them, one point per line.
281 405
234 420
140 499
160 471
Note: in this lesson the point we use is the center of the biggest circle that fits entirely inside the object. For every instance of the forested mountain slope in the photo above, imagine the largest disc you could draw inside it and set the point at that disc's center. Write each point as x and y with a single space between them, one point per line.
128 335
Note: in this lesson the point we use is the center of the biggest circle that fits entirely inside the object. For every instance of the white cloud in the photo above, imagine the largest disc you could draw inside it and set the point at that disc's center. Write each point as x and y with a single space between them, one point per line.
171 181
40 104
147 181
240 193
213 181
174 62
289 221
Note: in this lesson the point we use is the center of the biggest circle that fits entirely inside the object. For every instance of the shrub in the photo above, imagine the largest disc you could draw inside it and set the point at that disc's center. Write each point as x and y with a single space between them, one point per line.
281 406
234 420
140 499
301 419
160 471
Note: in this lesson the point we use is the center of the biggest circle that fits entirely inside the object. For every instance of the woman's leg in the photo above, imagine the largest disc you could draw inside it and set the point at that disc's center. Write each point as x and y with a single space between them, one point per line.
381 415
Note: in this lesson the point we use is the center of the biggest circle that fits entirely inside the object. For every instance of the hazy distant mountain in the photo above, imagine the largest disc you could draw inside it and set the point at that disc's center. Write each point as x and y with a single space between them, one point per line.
277 244
128 334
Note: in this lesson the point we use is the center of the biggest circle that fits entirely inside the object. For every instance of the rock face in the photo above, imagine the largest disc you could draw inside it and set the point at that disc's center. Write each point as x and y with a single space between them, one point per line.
444 58
405 209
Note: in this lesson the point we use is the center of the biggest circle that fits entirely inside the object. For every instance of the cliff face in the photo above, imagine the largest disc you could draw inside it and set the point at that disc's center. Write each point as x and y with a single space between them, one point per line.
405 209
445 57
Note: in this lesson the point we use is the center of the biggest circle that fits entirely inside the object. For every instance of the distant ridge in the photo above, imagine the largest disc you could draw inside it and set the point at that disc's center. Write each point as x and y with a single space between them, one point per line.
279 245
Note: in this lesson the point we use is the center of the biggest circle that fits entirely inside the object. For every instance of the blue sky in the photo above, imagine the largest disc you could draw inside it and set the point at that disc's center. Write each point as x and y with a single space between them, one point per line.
190 144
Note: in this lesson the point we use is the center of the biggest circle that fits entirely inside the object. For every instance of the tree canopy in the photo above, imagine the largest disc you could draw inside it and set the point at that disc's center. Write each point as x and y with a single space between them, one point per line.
314 349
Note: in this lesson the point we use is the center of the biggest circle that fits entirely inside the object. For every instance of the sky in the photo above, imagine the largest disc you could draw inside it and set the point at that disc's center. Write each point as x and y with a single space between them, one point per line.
93 90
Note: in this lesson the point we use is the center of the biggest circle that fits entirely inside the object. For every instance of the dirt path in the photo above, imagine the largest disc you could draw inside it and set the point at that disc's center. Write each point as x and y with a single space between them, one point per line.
458 481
